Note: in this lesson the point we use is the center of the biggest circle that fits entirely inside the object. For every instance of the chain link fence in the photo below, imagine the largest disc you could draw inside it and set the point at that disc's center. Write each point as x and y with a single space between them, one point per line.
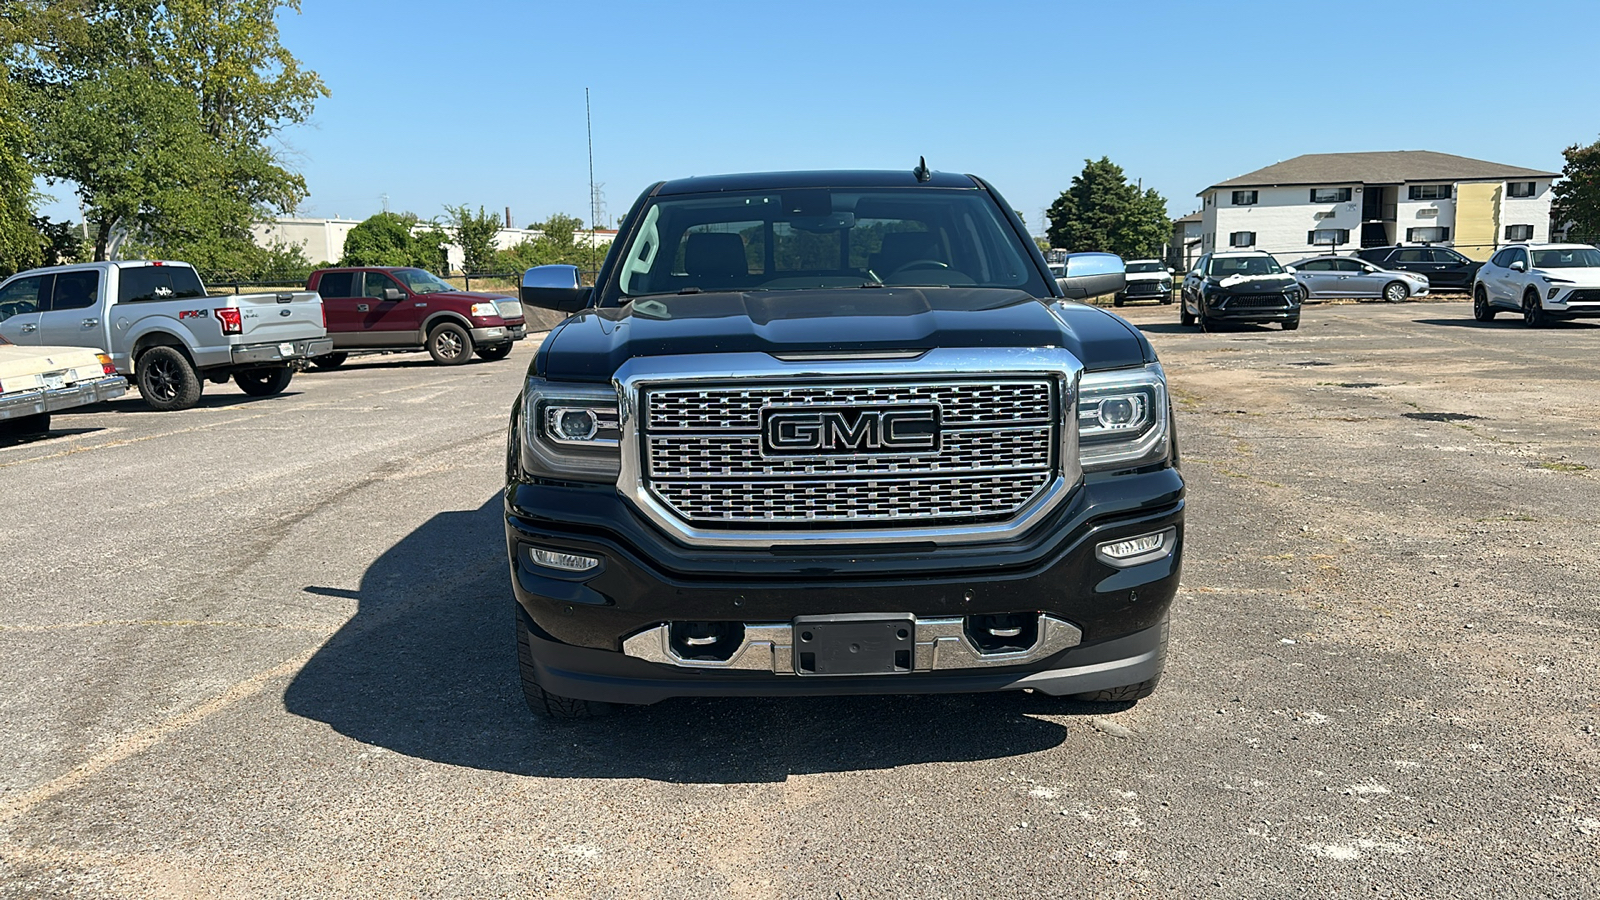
225 281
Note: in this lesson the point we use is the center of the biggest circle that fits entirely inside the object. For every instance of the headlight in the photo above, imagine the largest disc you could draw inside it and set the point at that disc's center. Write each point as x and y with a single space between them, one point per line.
1122 418
571 431
484 310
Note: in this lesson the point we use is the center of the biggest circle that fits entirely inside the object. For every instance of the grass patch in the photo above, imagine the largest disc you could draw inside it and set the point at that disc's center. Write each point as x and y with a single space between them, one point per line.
1563 466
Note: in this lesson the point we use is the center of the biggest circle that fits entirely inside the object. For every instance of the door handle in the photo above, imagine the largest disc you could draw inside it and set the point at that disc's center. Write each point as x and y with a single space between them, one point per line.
90 323
26 329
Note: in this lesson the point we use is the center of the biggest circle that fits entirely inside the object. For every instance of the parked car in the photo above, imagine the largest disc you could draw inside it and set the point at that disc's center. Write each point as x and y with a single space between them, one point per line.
1148 279
740 470
1545 282
1445 269
407 309
37 381
1325 277
1240 286
162 330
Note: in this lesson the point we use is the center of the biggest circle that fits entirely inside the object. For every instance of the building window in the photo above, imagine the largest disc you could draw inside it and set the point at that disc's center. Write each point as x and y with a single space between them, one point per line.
1416 235
1245 198
1326 236
1430 192
1520 188
1330 195
1519 232
1242 239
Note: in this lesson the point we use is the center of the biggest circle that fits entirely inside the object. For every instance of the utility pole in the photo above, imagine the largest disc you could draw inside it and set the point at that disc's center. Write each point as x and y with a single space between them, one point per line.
588 119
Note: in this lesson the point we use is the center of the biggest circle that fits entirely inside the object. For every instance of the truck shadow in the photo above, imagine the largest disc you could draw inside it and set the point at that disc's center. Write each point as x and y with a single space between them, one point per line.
427 668
219 398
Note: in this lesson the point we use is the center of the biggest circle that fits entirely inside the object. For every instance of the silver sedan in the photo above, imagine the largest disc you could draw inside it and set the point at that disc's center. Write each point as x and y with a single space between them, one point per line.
1324 277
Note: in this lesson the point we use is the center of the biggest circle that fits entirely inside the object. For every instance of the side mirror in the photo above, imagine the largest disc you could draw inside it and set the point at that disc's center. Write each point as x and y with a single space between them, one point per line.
1291 270
393 294
1519 266
554 287
1171 272
1092 275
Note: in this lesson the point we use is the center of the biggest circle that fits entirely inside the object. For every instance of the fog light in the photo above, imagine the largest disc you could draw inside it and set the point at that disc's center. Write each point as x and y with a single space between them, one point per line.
558 559
1133 551
1553 293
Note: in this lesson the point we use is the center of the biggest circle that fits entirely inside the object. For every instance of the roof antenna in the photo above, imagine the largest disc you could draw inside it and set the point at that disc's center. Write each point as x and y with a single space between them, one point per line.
922 173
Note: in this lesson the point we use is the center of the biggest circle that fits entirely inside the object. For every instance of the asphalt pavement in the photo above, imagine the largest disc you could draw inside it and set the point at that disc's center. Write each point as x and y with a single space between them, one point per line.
263 648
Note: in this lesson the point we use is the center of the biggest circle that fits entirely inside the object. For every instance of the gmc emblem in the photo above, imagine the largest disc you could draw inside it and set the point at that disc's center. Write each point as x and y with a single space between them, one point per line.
836 430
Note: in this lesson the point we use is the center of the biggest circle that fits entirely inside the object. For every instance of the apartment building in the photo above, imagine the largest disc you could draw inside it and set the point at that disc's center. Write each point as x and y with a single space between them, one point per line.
1341 202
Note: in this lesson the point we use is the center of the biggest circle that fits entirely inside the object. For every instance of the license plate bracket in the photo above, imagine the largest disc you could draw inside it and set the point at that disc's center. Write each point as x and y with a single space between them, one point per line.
864 644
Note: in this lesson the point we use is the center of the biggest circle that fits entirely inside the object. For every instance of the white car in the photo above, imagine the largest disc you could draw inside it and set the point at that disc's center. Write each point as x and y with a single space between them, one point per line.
1544 282
37 381
1148 279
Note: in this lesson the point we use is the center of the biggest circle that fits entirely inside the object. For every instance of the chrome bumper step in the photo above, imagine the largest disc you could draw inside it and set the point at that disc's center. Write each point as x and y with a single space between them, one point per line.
939 644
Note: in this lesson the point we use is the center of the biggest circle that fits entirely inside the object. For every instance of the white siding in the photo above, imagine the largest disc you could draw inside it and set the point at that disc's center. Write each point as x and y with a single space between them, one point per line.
1533 211
1281 218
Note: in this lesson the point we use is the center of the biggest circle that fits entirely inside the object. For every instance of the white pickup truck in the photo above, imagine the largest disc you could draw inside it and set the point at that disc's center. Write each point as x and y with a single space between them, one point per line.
161 328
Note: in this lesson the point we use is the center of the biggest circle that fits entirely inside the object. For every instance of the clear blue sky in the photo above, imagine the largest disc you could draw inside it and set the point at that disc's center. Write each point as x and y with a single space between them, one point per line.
483 103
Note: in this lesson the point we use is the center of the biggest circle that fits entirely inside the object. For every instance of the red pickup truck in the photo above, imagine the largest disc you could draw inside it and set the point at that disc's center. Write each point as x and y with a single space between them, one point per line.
375 308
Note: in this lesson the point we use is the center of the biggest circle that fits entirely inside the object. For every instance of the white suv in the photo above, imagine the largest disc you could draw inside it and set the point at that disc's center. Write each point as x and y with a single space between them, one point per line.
1544 282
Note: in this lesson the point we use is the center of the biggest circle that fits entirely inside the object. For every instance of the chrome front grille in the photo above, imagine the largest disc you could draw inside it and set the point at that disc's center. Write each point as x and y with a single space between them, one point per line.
703 457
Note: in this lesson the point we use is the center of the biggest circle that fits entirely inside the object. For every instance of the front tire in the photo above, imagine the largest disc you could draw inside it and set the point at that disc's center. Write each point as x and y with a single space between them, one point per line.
1481 310
494 352
1118 301
1185 317
166 380
1291 324
1396 292
1533 311
540 701
329 361
449 344
1127 693
263 382
36 425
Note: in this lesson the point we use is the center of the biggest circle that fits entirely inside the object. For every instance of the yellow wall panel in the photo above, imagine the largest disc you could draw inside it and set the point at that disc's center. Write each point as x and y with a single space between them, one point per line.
1477 219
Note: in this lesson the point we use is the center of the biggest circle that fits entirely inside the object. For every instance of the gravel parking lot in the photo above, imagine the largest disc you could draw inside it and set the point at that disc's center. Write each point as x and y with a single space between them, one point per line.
262 648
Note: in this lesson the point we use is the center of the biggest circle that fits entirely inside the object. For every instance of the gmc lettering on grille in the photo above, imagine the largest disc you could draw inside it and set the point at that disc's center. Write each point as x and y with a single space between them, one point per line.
829 431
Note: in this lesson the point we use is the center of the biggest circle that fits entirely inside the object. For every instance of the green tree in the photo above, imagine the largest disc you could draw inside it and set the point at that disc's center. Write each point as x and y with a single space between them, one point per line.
557 243
241 86
383 239
1577 194
134 147
474 234
1102 211
19 241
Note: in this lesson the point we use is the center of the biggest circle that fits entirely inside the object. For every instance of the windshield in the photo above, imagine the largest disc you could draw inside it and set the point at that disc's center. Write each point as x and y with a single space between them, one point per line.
422 282
1567 258
1135 268
824 238
1223 266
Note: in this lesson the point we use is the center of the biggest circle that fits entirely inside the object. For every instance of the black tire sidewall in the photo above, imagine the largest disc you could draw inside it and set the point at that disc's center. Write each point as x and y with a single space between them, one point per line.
264 382
466 344
188 388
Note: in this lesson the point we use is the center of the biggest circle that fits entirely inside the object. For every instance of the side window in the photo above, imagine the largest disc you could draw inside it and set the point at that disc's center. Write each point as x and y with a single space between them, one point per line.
1440 255
1347 265
1412 256
1501 259
1519 255
22 296
336 284
1317 265
376 284
75 290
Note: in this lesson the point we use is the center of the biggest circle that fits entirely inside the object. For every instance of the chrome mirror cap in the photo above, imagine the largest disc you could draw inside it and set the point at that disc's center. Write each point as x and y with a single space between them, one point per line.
552 276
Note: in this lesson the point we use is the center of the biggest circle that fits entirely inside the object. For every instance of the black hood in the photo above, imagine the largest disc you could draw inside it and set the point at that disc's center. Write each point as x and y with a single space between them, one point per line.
1257 285
593 344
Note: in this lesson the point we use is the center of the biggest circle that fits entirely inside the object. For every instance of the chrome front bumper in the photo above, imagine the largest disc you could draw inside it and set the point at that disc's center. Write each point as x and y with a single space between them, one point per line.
32 403
940 644
281 352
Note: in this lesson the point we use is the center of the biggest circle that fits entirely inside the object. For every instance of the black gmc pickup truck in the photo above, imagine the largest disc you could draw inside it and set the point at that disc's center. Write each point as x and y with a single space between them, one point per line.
838 433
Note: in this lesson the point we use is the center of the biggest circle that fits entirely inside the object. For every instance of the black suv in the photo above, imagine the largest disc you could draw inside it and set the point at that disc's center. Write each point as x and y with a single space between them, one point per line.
1445 268
838 433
